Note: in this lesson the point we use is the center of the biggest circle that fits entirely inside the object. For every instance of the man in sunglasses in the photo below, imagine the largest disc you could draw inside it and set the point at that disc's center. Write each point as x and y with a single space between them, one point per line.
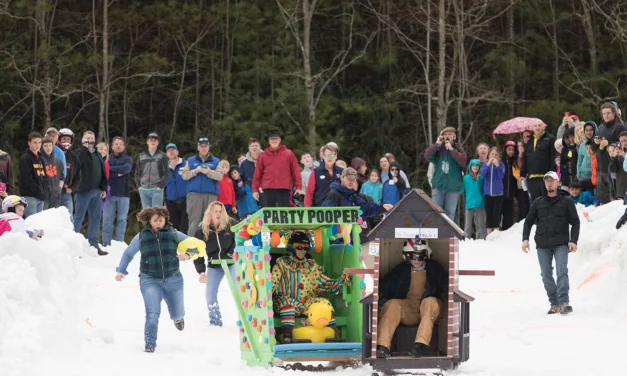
297 281
411 294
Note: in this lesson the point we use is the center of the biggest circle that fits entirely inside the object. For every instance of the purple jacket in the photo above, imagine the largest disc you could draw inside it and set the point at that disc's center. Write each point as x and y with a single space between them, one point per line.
493 178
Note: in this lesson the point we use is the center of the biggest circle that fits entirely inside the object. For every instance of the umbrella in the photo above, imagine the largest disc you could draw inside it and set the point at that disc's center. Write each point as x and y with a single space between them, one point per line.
516 125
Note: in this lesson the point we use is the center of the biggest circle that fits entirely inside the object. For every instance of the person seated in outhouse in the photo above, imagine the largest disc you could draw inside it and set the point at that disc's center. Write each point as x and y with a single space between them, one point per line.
412 293
296 283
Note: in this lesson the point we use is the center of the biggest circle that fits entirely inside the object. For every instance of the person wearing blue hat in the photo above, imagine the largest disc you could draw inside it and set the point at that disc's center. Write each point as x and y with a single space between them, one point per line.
201 172
151 173
176 189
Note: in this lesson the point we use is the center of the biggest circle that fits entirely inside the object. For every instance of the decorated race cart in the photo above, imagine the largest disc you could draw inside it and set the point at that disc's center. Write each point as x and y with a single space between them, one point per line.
417 214
260 240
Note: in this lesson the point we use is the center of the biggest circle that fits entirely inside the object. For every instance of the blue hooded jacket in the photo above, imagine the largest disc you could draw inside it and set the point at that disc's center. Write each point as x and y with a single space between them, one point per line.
586 198
473 188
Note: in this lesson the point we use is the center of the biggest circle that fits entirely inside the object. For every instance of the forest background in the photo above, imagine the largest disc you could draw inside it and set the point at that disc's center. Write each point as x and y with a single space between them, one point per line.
373 76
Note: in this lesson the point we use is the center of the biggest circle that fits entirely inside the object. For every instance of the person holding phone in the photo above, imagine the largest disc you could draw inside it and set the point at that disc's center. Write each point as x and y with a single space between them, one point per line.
449 158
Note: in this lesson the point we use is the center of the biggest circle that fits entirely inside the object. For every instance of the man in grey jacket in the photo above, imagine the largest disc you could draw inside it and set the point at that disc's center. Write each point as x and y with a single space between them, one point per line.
151 173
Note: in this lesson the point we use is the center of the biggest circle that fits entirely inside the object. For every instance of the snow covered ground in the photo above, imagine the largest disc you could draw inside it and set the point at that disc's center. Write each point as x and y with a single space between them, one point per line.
64 315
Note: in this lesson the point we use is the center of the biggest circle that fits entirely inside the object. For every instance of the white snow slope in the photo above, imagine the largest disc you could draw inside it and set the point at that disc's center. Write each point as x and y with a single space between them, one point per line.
66 316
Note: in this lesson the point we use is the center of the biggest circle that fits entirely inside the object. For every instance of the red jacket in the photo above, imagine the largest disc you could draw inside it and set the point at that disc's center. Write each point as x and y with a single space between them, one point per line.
227 192
277 169
106 166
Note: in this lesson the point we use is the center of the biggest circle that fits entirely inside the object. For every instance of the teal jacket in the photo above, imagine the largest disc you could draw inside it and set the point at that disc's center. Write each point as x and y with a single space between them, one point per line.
447 175
473 188
584 163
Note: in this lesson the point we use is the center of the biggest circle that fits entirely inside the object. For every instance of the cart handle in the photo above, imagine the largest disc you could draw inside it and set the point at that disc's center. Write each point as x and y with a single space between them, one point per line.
358 271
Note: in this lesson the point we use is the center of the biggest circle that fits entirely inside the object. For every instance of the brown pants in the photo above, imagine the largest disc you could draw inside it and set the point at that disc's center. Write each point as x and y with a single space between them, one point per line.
409 312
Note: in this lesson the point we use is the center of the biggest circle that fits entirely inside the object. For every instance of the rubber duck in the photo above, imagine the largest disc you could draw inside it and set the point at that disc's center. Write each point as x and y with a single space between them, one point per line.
319 315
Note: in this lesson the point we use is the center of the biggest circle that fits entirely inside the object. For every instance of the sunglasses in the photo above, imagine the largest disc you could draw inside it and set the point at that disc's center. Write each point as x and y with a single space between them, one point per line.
89 142
416 256
301 248
394 169
204 139
329 155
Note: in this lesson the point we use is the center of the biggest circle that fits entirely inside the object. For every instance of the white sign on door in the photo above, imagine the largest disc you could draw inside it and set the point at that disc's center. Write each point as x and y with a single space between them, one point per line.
410 233
373 248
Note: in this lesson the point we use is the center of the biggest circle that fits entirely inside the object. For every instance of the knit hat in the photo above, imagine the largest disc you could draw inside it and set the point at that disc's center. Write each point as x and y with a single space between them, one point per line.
356 163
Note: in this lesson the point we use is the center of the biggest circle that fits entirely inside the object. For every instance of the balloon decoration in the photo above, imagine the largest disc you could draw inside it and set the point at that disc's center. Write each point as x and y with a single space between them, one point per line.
275 239
346 234
257 240
318 241
244 233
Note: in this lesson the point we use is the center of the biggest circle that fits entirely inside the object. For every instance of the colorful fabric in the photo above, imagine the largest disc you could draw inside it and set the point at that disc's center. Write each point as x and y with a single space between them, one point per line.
296 285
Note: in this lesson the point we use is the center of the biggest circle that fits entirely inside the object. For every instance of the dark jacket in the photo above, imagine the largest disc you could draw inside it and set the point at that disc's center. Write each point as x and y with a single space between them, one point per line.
32 175
247 169
509 181
610 132
54 173
220 245
151 171
568 159
319 184
342 196
73 176
552 215
86 170
539 156
395 284
616 166
120 165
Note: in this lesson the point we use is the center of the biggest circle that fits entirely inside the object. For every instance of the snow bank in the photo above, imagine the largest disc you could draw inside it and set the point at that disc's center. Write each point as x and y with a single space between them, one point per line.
39 292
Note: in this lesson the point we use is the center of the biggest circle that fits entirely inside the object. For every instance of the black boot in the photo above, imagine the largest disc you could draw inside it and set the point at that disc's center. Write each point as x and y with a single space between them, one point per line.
383 352
101 252
566 309
418 349
287 333
621 221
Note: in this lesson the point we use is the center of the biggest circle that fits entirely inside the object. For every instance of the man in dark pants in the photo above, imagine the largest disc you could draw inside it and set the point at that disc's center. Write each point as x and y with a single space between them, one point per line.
277 171
552 213
539 159
176 190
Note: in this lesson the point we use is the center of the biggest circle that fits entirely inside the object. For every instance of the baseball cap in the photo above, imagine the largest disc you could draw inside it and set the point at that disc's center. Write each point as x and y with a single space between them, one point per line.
273 133
171 146
203 140
349 172
154 135
551 174
52 130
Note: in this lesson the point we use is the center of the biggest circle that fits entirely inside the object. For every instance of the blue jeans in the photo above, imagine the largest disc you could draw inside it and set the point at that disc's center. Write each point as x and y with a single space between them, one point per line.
558 294
214 277
66 201
447 200
88 203
154 290
115 208
151 198
34 206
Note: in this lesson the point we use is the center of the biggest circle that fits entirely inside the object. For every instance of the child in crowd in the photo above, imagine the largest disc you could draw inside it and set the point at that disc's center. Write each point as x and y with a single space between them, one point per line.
13 208
340 163
473 188
246 203
579 197
373 187
227 192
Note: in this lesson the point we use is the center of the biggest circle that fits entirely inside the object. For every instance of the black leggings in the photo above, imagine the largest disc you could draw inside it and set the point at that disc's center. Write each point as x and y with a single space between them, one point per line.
493 211
276 198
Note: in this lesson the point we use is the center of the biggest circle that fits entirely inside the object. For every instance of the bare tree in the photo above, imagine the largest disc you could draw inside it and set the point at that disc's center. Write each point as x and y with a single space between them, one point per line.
298 18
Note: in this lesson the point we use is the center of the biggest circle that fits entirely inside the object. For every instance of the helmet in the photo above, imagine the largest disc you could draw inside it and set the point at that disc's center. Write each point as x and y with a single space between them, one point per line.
66 132
298 237
12 201
416 246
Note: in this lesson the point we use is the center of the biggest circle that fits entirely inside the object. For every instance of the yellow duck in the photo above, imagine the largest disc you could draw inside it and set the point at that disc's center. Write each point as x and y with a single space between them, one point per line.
319 315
